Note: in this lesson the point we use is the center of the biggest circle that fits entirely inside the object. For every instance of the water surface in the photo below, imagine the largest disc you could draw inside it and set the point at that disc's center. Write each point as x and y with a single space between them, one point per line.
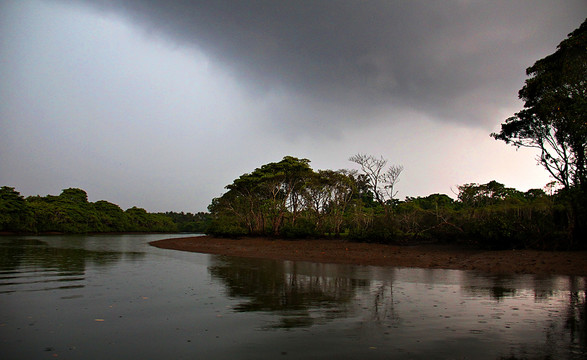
96 297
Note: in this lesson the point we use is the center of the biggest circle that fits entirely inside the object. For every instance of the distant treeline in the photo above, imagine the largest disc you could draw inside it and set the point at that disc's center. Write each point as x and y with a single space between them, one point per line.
71 212
289 199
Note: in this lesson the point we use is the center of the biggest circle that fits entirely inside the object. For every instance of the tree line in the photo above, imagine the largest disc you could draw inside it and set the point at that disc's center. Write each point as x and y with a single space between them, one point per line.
289 199
71 212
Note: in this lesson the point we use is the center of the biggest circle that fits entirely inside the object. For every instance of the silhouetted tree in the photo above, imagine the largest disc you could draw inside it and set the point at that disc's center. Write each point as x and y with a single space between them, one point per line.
554 121
381 180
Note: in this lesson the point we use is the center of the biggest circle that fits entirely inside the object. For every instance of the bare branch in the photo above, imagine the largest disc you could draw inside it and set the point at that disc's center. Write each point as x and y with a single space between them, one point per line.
381 181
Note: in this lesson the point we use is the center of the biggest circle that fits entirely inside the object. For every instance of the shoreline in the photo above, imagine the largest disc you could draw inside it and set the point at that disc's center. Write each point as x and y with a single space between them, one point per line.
50 233
419 256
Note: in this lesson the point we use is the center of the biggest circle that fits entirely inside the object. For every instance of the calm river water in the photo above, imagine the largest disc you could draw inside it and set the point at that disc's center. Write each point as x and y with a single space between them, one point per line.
115 297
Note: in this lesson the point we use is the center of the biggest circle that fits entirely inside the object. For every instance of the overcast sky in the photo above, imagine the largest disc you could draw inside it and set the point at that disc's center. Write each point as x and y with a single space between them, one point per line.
160 104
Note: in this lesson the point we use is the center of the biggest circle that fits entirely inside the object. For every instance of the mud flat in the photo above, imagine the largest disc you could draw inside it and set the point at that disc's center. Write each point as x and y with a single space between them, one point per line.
420 256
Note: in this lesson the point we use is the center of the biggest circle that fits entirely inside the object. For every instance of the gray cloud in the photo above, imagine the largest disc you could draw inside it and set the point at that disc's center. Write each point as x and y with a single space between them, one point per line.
454 60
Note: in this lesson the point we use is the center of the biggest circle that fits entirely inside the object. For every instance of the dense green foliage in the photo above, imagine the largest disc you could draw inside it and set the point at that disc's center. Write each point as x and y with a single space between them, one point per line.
554 121
289 199
71 212
188 222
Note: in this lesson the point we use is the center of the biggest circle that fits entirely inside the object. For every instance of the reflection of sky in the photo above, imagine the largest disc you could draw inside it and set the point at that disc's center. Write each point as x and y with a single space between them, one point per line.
193 301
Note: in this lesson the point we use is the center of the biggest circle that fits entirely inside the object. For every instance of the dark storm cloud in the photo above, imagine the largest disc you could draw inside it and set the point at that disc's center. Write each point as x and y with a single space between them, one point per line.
456 60
160 104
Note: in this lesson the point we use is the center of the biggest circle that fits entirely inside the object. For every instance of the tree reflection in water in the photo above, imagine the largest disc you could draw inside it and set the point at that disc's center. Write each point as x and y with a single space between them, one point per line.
576 317
415 305
28 264
290 289
567 328
32 252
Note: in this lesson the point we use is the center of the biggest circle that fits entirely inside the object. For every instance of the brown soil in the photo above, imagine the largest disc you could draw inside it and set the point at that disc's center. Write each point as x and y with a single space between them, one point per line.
421 256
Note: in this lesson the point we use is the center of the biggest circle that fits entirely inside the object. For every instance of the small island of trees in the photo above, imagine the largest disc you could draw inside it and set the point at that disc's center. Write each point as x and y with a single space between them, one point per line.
288 199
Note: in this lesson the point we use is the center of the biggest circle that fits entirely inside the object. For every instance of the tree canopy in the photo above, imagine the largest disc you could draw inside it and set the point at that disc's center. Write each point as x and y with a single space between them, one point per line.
554 117
289 199
71 212
554 121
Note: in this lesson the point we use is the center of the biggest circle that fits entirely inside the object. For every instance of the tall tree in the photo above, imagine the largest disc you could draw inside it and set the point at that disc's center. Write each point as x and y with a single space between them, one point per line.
554 117
554 120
